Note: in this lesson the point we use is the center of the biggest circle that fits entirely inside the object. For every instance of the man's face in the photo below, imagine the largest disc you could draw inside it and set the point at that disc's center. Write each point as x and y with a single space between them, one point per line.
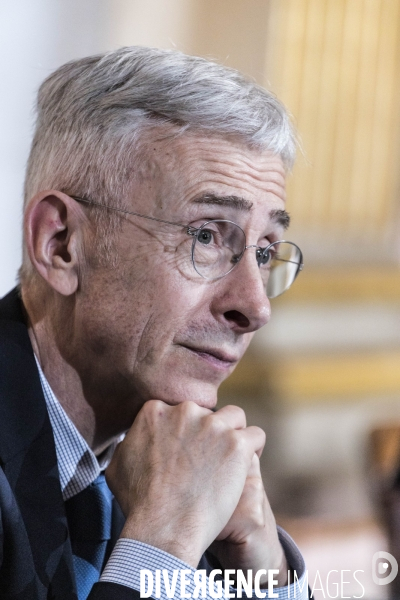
152 326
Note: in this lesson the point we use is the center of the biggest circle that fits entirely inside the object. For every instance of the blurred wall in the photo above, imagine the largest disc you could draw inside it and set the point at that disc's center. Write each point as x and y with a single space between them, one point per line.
35 38
335 63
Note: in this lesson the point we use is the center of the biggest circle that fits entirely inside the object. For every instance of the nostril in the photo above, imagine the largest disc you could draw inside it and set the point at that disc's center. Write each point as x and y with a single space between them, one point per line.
234 316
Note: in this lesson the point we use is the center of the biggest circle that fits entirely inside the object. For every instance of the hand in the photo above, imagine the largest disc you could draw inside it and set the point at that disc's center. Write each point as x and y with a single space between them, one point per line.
250 539
179 474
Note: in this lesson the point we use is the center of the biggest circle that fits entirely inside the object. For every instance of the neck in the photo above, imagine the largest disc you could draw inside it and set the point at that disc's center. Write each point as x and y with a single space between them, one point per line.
82 395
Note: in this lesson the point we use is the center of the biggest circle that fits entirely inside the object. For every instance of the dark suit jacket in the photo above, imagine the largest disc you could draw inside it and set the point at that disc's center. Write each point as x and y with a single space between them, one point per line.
35 550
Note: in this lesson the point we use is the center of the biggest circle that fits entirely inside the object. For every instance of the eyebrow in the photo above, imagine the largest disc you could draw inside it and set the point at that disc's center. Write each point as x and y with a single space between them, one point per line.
281 217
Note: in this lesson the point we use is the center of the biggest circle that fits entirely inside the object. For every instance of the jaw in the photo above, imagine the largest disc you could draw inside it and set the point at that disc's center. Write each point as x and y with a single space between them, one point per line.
183 375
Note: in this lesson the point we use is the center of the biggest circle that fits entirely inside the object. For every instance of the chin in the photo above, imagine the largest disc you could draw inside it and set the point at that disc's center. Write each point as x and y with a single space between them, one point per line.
202 393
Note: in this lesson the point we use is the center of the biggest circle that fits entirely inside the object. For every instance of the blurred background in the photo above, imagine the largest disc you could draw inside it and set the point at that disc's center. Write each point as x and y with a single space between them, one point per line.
323 378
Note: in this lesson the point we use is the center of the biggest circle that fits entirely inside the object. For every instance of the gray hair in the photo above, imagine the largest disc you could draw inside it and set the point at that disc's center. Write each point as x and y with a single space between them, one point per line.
92 114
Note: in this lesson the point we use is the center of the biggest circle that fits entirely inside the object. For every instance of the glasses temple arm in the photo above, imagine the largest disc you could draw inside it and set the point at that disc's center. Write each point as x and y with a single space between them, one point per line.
130 212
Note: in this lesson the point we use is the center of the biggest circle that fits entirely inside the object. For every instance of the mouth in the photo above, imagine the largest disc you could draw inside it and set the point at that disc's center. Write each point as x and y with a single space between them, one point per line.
214 357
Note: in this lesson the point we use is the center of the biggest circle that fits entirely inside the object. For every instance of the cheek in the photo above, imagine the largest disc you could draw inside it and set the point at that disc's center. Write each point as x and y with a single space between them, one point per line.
159 257
149 297
159 274
151 309
170 305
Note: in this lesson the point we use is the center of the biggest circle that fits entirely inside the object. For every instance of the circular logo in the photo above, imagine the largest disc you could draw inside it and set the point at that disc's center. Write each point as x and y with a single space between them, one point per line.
384 571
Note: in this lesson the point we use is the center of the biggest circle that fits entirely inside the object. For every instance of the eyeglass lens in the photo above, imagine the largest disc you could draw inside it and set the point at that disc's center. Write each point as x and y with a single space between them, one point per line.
219 245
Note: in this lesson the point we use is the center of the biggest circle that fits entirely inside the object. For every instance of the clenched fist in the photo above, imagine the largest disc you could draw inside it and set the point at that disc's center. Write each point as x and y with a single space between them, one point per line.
184 477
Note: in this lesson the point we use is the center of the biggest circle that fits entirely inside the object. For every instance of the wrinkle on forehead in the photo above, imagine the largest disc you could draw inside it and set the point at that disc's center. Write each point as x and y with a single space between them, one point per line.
213 163
244 162
231 201
171 148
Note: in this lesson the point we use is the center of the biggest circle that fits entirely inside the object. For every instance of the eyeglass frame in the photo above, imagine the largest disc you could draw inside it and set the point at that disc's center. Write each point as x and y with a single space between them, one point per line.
192 231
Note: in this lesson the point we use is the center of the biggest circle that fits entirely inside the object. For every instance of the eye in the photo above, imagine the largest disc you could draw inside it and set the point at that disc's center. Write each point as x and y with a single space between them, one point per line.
263 255
211 234
205 236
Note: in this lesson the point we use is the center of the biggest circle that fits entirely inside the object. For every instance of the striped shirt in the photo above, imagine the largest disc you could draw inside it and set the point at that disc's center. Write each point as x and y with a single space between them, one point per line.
78 467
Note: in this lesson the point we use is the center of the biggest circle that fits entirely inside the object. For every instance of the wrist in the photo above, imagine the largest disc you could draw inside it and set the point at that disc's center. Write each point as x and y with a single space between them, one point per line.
281 577
164 539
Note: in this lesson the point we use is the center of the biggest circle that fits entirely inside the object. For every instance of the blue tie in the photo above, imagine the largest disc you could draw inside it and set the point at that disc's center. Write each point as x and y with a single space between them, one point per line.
89 522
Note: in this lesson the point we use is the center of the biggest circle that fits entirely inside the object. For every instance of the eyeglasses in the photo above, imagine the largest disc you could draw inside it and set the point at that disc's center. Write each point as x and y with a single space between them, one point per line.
218 246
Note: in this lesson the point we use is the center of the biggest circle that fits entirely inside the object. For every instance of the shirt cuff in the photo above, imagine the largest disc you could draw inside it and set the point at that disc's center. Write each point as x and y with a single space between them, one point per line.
130 557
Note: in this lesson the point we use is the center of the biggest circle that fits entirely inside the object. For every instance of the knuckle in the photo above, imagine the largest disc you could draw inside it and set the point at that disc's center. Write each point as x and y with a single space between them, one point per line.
238 443
215 423
256 515
153 407
255 487
254 501
261 433
187 408
258 433
240 414
149 418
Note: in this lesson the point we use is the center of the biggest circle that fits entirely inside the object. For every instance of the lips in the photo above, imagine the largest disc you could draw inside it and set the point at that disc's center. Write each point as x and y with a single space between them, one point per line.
217 355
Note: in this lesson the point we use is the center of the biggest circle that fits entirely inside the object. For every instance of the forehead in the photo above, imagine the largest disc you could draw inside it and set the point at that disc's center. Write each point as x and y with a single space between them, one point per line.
185 171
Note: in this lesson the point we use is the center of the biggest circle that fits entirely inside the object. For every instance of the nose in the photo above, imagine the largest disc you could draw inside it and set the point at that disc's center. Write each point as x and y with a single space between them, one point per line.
240 299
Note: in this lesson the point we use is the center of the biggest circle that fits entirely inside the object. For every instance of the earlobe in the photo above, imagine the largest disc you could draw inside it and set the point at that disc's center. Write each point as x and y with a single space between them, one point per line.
53 236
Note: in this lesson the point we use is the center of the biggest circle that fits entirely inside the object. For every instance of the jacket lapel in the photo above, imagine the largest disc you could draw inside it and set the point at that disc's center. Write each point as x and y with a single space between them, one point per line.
28 456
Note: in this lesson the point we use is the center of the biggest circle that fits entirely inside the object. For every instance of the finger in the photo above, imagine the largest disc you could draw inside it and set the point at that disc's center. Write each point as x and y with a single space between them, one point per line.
158 408
232 416
255 439
188 404
254 470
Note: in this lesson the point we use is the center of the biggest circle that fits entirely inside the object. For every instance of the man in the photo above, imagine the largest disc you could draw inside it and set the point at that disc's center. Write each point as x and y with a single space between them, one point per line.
154 204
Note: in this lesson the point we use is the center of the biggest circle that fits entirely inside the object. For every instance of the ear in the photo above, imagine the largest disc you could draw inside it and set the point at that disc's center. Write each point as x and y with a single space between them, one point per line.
53 226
